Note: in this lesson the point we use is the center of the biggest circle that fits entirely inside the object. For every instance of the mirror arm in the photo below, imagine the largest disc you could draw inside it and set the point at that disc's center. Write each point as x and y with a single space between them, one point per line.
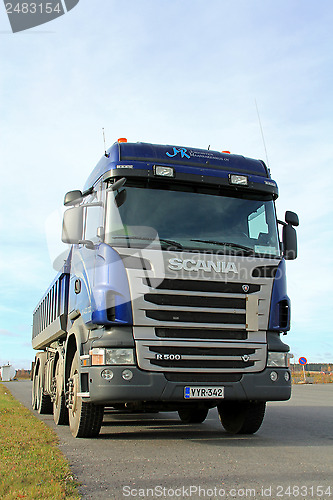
87 243
95 204
87 191
117 184
281 222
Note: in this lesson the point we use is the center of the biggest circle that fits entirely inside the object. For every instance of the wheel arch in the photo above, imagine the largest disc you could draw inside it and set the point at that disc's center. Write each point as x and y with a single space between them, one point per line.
77 335
71 348
40 364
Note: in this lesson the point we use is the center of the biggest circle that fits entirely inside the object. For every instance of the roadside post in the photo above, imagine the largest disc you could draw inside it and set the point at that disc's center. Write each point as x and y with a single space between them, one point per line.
303 361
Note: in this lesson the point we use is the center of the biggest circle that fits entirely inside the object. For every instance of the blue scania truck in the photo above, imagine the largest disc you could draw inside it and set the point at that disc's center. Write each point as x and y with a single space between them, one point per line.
172 296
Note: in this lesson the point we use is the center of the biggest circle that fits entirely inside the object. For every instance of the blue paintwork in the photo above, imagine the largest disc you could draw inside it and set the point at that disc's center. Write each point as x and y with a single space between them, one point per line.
82 268
104 284
184 160
104 164
279 293
111 288
191 156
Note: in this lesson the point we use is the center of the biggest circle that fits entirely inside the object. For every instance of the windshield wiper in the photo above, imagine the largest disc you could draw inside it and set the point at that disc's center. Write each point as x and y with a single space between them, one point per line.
162 240
248 250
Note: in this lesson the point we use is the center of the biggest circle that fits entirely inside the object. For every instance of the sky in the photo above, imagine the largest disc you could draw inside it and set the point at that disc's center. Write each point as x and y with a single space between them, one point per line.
183 72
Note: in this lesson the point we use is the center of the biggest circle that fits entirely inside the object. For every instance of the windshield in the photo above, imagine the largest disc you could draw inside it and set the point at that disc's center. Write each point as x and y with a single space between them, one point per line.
190 219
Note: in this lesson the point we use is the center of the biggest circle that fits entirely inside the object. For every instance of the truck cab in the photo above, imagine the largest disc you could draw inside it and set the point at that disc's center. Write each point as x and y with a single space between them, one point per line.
173 296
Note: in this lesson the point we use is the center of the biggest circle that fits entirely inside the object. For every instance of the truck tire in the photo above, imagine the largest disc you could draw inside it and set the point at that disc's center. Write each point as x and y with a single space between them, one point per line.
85 419
193 415
34 389
44 402
60 410
241 417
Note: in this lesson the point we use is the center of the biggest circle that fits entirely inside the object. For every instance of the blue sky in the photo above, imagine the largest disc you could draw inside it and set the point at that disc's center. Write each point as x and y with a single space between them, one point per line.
183 72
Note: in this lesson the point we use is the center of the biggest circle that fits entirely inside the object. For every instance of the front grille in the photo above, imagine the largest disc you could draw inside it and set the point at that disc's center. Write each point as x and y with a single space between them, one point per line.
195 301
203 351
200 286
201 333
205 363
167 355
197 317
203 377
203 302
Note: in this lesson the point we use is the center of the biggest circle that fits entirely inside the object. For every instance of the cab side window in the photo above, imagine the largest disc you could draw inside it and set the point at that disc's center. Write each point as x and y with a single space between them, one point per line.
94 217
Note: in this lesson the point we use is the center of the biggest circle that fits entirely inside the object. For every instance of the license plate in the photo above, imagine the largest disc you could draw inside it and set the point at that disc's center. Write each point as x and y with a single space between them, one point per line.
203 392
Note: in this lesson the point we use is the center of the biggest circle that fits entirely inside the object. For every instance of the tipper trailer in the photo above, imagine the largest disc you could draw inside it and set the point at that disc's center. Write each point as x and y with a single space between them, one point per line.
173 294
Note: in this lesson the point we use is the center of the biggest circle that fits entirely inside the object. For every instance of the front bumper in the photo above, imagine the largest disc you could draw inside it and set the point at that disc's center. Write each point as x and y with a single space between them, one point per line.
153 386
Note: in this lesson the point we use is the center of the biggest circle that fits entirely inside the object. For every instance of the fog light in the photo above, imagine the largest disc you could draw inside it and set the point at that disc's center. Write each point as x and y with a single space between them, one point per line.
107 374
127 375
274 376
287 376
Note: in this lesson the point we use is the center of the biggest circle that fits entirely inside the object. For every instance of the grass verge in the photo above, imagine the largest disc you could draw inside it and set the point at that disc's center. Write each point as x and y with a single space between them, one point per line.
312 378
31 465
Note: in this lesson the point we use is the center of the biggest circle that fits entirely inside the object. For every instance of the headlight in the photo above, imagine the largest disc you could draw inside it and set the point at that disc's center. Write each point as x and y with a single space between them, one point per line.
119 357
277 359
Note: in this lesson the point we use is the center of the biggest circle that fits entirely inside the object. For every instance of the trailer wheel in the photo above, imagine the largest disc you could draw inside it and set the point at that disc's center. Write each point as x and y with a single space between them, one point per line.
43 403
60 411
85 419
193 415
241 417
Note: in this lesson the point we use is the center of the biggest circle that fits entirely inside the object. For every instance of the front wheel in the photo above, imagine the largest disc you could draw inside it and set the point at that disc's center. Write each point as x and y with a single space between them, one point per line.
241 417
193 415
85 419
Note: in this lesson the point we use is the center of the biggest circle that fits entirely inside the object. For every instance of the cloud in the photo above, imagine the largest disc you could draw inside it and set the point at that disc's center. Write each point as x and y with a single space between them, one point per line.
7 333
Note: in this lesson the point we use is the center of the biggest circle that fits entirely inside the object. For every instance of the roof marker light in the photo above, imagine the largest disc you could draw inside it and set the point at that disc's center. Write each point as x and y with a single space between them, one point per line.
228 152
162 171
122 139
241 180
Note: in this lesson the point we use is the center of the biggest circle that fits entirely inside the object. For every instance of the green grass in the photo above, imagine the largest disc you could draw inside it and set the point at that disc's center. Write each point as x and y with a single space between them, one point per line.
31 465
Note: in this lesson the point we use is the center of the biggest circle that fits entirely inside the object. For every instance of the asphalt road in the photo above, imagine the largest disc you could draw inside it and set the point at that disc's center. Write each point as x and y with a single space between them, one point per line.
156 456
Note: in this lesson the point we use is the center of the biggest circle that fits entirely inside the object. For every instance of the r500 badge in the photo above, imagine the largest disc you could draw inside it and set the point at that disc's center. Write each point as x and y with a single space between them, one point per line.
168 357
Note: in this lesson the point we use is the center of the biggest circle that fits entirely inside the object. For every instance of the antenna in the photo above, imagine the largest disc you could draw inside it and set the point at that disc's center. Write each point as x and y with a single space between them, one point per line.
262 133
105 153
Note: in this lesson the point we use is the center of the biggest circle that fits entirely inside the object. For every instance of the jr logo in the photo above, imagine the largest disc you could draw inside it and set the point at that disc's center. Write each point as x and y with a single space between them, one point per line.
182 152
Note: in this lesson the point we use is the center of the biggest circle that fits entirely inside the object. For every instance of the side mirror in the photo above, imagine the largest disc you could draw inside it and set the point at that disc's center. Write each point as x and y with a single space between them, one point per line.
289 238
72 198
72 226
120 197
118 184
291 218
